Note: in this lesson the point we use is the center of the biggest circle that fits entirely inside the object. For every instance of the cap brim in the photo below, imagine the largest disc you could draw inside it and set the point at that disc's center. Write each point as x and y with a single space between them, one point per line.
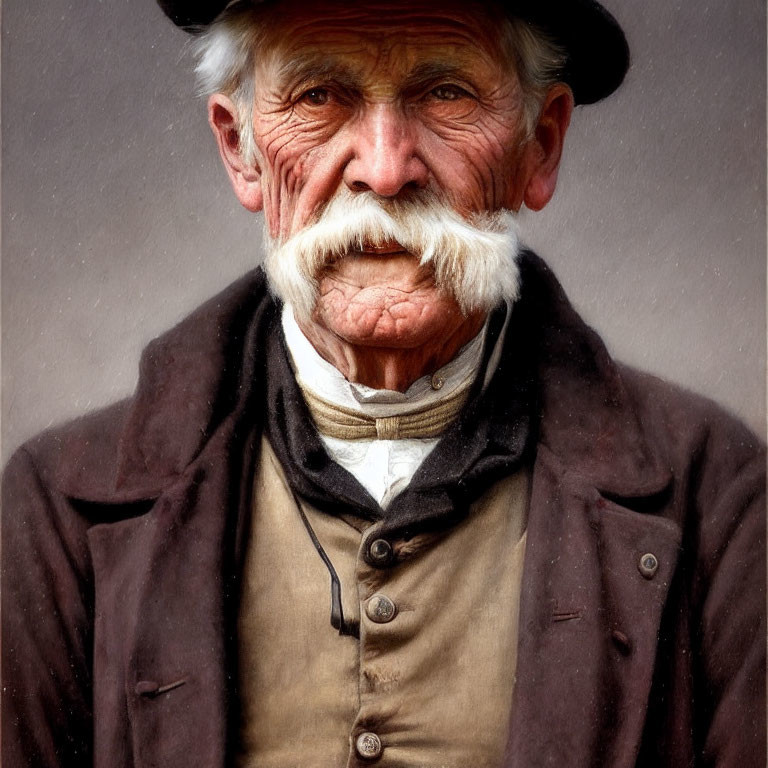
192 15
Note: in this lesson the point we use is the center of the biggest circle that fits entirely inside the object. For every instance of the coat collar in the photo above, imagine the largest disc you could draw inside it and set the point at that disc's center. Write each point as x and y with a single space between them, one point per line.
195 376
589 418
191 380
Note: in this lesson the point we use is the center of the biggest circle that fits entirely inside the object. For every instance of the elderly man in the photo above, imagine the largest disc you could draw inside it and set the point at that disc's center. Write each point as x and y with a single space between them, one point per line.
536 556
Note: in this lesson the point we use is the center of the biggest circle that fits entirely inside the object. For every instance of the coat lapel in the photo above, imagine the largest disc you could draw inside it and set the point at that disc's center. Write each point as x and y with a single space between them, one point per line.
589 618
170 577
588 624
178 689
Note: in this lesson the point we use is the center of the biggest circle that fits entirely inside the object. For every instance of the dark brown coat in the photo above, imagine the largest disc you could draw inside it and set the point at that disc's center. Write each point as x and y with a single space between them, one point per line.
122 535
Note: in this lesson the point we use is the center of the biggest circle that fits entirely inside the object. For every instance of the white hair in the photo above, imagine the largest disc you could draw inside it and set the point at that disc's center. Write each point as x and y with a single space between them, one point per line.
539 62
474 261
227 50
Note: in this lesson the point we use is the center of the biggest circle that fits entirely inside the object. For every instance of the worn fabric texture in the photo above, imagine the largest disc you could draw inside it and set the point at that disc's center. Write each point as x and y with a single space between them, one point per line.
434 683
345 424
123 540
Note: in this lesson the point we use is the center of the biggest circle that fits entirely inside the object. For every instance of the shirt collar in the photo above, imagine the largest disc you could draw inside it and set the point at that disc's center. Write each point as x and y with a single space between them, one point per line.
484 444
324 380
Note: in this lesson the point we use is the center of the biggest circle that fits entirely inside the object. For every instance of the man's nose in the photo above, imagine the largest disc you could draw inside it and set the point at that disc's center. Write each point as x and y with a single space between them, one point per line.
385 159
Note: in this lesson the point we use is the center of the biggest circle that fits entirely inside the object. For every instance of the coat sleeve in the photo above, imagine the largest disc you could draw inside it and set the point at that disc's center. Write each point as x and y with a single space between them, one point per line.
730 592
47 619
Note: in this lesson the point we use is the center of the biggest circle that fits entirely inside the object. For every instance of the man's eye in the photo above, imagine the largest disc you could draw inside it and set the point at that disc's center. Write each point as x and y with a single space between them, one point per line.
448 92
317 97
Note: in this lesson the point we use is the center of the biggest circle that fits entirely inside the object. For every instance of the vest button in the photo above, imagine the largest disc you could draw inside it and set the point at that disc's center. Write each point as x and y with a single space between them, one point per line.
368 745
648 565
380 609
380 552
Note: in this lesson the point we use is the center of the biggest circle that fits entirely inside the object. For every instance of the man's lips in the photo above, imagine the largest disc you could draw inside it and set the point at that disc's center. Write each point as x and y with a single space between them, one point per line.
387 249
375 255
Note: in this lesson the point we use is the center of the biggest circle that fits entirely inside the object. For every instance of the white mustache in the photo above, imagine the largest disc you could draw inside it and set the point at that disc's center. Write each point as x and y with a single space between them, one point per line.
473 260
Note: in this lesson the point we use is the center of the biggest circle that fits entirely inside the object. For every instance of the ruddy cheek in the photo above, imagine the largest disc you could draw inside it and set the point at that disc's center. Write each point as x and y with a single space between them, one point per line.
471 164
288 151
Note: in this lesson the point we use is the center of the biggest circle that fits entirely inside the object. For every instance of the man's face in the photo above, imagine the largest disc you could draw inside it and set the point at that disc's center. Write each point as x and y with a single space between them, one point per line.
386 98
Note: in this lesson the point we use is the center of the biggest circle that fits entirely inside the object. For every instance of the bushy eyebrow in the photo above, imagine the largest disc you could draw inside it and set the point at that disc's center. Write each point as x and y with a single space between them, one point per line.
292 70
429 71
301 69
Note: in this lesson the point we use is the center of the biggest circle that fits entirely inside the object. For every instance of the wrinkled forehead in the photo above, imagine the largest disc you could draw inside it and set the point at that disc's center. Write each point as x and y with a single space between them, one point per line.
386 35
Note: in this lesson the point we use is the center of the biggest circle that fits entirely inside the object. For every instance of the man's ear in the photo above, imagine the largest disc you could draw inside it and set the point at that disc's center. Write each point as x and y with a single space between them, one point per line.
545 149
245 177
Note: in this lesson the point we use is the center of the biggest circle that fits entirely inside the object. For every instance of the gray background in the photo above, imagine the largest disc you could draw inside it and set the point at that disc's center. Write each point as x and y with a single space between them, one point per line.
118 220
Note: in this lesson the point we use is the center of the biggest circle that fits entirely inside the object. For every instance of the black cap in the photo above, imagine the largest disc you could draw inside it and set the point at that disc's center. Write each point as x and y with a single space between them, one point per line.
192 15
598 54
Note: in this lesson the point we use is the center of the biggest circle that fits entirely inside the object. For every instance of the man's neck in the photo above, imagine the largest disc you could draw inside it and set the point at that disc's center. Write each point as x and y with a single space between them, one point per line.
385 368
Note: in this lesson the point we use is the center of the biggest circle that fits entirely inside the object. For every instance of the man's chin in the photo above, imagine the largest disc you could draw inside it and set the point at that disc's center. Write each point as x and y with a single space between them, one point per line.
386 317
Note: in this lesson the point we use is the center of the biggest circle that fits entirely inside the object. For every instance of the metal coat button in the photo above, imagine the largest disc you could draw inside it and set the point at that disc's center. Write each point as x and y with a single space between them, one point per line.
368 745
380 609
380 552
648 565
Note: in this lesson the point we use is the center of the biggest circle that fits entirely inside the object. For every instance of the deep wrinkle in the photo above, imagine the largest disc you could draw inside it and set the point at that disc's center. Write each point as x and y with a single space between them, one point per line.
398 59
390 97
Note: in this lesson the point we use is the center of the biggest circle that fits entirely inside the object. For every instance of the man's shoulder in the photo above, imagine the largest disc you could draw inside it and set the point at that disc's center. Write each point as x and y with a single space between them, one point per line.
81 451
688 425
628 431
179 373
716 465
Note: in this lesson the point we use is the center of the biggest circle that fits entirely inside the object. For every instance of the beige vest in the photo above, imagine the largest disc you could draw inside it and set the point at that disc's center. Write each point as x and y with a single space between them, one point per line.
429 682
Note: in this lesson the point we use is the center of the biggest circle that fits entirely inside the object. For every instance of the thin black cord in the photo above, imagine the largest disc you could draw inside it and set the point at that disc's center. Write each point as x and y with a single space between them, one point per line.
337 613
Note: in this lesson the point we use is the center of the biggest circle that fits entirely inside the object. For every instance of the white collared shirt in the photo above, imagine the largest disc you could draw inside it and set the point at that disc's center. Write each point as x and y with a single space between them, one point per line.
383 467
